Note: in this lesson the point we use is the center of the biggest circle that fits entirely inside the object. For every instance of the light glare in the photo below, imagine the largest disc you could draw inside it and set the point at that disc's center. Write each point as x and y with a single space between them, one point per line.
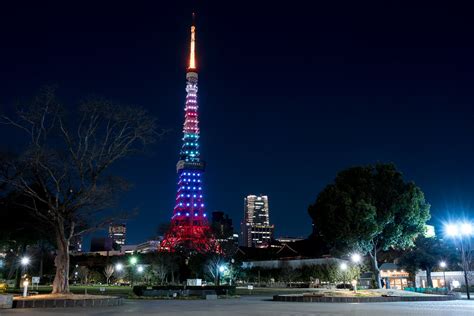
25 261
356 258
451 230
466 229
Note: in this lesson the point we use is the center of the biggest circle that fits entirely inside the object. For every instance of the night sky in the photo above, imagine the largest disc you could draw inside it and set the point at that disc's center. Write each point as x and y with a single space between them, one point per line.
288 95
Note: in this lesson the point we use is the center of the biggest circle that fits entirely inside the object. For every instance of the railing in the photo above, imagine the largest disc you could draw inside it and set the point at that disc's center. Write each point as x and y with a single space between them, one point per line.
428 290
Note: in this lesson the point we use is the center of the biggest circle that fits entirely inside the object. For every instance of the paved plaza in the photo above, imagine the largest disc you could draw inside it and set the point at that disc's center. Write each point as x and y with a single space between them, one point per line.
260 306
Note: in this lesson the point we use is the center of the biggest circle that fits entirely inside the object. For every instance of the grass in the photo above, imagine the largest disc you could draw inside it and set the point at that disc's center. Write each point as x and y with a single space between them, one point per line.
263 291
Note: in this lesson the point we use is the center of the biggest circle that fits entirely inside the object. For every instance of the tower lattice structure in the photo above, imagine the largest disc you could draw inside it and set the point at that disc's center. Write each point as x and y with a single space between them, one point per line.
189 227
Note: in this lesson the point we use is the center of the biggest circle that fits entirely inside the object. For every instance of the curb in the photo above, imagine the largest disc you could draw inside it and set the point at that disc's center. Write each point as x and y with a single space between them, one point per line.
379 299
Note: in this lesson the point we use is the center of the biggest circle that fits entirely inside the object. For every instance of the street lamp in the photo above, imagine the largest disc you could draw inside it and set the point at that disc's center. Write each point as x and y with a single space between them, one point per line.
25 261
343 268
443 266
119 267
140 269
459 231
220 269
356 258
133 262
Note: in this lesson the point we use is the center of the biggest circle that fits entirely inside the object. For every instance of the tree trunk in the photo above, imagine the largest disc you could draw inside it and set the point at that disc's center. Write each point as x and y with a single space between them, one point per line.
375 268
61 261
429 281
40 270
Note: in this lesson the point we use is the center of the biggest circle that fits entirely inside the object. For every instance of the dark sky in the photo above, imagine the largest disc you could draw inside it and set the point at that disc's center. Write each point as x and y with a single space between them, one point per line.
289 94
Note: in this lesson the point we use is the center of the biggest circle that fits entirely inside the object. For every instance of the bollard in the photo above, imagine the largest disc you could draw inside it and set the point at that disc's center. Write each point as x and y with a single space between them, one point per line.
25 288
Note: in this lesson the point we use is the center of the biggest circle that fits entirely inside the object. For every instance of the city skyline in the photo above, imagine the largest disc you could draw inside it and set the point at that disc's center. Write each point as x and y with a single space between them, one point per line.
289 98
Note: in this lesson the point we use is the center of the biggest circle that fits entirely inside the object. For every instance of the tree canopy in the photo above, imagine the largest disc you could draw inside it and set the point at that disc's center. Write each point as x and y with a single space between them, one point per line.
426 255
370 209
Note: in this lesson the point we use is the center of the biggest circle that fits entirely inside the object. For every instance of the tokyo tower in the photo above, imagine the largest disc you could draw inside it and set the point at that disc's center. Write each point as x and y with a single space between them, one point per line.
189 229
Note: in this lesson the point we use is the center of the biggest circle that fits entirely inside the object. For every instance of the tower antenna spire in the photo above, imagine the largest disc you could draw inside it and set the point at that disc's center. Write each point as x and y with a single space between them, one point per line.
192 52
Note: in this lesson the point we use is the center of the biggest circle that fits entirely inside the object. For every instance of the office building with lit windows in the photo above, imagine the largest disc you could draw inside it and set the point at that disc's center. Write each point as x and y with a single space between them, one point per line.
256 230
118 233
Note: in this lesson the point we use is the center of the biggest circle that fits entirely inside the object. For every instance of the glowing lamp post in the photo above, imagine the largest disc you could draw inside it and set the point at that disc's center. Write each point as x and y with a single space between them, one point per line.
133 262
343 268
459 231
25 261
355 258
443 266
220 270
119 267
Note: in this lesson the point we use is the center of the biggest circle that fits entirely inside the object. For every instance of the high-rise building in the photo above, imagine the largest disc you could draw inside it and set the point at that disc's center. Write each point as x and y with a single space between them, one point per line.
256 228
222 227
118 233
189 226
75 245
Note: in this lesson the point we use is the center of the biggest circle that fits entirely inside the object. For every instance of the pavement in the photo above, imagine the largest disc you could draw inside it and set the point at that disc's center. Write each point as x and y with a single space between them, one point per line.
251 305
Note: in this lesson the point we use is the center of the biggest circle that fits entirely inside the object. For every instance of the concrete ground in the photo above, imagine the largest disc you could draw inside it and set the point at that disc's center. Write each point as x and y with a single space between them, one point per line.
260 306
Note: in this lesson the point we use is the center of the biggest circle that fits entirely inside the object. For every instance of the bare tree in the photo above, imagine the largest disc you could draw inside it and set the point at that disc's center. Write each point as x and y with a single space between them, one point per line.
108 272
64 168
160 268
83 274
213 264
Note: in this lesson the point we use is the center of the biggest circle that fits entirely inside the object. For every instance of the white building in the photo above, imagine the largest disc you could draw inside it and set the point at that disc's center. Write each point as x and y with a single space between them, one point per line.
291 263
454 279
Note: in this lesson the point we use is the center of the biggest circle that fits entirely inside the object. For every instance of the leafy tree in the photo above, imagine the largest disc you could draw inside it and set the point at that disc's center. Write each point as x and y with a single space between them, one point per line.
83 274
65 165
370 209
426 255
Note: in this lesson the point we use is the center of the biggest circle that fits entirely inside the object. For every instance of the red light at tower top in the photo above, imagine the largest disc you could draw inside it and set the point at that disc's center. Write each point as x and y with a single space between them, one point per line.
189 227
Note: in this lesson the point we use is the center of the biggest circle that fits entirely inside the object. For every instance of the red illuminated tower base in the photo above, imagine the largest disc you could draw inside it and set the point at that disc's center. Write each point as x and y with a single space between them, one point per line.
189 228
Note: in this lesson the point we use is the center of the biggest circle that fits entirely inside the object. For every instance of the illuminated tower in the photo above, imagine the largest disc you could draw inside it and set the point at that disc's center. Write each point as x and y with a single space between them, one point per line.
189 226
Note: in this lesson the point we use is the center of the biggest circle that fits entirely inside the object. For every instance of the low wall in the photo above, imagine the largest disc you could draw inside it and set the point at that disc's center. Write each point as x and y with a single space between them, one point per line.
46 303
6 301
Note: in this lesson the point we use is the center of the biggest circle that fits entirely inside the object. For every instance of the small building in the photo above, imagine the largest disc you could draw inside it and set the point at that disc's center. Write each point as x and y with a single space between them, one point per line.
454 279
393 276
148 246
288 240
